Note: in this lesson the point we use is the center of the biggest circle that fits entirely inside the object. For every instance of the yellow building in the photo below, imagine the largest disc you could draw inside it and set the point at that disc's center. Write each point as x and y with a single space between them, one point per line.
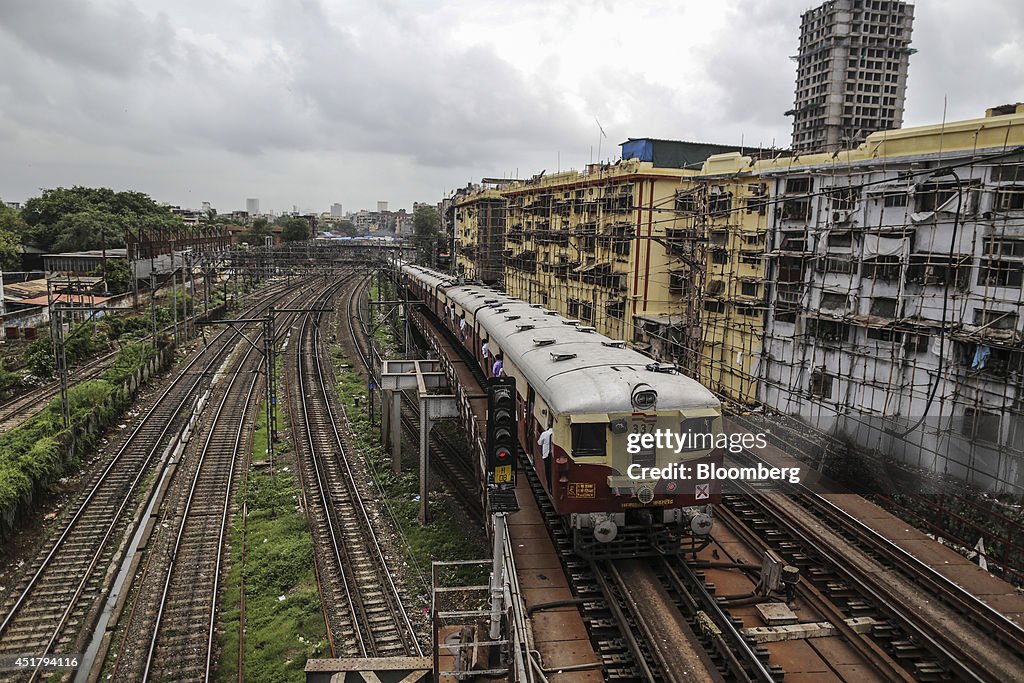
480 232
591 245
730 210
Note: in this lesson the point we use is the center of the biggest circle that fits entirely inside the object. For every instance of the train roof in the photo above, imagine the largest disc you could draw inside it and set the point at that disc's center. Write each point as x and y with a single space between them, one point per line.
574 368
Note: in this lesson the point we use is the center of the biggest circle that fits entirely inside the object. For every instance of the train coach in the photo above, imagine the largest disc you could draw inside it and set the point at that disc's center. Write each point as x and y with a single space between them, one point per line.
593 393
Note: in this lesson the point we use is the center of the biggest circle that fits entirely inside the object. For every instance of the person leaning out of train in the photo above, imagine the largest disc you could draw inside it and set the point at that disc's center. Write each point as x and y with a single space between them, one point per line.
498 369
485 352
462 327
545 450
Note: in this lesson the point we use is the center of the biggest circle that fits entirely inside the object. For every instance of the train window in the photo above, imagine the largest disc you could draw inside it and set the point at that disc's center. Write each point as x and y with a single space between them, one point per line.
588 439
696 433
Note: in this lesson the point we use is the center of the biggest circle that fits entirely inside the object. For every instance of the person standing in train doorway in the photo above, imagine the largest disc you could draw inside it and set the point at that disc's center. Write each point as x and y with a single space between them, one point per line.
498 369
545 451
462 327
485 351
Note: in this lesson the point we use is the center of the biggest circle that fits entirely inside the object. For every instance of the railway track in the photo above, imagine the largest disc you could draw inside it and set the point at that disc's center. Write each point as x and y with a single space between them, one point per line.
169 633
366 617
935 627
60 593
445 456
17 410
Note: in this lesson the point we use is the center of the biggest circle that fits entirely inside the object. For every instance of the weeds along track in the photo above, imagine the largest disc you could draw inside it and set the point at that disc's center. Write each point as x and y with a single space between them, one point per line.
58 596
363 606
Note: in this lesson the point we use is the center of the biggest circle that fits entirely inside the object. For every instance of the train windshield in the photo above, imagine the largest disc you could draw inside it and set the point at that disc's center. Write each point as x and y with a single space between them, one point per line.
588 439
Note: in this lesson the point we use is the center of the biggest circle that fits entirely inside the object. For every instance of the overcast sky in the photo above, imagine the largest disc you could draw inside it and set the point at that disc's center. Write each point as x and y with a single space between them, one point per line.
309 102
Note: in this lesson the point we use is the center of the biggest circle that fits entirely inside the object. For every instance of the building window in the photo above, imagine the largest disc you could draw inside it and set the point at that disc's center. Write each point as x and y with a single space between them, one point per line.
821 384
714 306
719 203
794 241
1009 199
686 202
837 265
979 425
880 334
796 209
720 256
828 330
1008 173
1004 246
677 282
931 196
995 320
884 308
916 342
883 268
622 240
843 198
748 288
833 301
840 240
994 273
798 185
939 270
719 238
895 199
587 312
616 309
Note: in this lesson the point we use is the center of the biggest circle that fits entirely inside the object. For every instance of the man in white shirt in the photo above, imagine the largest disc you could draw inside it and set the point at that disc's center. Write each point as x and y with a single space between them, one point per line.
545 451
485 351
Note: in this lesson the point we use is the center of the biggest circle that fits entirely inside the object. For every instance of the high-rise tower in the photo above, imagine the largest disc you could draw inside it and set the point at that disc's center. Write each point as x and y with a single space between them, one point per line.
851 72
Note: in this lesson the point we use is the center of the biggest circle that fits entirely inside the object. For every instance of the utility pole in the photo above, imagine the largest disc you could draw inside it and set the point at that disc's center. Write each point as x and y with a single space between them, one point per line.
174 294
268 352
57 340
152 292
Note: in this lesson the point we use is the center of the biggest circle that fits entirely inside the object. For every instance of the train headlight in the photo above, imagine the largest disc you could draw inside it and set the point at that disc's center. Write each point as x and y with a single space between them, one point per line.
645 493
644 397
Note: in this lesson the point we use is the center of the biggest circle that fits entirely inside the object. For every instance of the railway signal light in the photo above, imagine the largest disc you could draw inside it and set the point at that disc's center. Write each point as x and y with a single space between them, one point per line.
502 439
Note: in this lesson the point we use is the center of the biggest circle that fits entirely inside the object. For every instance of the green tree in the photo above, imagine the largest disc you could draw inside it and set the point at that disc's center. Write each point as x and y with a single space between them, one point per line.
426 235
347 228
39 359
11 230
295 229
91 218
256 234
90 228
117 273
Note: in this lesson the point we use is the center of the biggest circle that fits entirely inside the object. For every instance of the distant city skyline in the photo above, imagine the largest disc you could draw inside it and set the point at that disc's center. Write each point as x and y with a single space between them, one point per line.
377 99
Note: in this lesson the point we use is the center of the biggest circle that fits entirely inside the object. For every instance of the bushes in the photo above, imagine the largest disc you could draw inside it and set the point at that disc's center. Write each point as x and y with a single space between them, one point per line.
39 359
39 451
9 382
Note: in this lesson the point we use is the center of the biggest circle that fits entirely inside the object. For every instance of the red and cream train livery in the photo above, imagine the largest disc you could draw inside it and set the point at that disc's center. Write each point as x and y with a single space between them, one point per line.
594 393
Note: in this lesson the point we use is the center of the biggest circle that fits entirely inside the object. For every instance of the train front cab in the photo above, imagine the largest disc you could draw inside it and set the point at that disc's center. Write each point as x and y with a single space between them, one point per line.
612 514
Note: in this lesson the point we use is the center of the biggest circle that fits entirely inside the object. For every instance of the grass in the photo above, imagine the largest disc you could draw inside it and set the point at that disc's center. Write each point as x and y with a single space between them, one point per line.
280 635
284 623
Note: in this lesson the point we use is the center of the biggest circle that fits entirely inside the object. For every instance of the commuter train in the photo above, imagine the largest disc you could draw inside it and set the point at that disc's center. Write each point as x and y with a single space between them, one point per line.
599 397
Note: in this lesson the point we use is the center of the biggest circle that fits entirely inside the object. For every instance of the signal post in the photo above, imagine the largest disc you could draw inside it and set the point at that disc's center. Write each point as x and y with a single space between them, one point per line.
502 446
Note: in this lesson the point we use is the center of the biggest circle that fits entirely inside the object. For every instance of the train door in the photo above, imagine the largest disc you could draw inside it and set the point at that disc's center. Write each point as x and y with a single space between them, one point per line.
531 435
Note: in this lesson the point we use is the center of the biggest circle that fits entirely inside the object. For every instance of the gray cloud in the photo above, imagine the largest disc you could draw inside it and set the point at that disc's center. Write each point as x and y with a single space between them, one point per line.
300 101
